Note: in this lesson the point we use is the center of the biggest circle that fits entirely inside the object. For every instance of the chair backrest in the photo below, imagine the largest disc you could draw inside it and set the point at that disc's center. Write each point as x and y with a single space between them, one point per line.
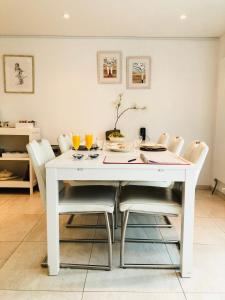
196 153
176 145
163 139
65 142
190 148
40 152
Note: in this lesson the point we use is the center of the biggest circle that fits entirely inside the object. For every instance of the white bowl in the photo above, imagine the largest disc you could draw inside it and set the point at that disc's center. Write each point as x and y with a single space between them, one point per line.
116 139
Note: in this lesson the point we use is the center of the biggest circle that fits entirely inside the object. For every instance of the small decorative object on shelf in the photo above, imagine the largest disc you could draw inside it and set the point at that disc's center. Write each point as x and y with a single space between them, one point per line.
7 124
7 175
15 154
2 150
119 114
25 124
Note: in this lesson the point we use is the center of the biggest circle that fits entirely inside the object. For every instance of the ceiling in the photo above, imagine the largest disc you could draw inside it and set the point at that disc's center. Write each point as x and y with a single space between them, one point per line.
113 18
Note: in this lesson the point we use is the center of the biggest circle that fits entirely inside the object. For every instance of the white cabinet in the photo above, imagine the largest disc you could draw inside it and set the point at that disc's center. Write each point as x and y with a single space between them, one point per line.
16 139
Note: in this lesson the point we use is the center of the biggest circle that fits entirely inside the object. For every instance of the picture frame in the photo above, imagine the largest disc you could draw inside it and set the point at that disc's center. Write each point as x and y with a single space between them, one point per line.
138 72
109 67
18 74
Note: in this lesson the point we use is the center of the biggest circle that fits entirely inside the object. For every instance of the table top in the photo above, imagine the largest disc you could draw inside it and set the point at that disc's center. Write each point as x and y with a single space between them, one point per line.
67 161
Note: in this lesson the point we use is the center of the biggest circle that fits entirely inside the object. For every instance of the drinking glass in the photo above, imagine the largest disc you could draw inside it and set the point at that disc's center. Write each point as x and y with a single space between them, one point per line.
138 142
89 141
76 141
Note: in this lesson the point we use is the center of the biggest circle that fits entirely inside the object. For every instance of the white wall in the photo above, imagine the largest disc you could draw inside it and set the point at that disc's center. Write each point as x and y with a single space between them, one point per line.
219 150
67 96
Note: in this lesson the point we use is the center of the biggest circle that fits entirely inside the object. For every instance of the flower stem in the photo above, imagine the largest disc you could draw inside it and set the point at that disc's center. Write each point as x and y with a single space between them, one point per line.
120 115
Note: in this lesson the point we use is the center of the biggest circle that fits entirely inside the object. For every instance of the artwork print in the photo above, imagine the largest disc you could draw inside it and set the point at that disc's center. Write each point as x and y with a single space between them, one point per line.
138 72
18 73
109 67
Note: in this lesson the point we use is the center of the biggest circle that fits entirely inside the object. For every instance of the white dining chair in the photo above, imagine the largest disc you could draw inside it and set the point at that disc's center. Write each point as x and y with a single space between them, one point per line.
65 144
163 139
155 201
176 144
80 200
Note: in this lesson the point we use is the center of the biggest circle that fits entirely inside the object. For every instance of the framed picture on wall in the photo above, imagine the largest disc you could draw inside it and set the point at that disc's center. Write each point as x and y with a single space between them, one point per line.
18 73
109 66
138 72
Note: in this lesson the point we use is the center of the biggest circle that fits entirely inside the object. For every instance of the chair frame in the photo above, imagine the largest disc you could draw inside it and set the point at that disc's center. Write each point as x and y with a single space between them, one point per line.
125 216
110 239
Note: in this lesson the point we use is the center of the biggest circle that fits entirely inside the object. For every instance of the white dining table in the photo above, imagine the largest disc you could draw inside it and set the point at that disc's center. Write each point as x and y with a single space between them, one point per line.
65 167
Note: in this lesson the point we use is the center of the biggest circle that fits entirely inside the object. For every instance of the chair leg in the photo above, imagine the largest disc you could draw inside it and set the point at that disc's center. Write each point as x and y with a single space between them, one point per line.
125 217
70 220
116 210
113 228
109 241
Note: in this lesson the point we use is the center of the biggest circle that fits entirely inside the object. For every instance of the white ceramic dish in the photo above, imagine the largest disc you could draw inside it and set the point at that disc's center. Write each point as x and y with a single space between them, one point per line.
116 139
119 147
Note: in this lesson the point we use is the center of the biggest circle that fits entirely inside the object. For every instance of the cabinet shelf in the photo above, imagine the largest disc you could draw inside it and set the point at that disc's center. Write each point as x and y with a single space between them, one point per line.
17 183
15 158
16 139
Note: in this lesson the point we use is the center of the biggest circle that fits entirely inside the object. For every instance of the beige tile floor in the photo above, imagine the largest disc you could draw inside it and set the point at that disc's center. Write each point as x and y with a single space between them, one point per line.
23 246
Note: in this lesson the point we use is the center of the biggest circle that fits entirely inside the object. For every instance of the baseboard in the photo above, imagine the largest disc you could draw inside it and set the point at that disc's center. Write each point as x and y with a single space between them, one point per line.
203 187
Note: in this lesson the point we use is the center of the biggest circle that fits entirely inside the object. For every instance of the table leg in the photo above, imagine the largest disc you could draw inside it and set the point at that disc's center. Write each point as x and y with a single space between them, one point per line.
187 227
52 194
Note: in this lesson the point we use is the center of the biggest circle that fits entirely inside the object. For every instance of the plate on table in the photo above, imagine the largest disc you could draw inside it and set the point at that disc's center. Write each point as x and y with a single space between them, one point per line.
152 147
119 147
116 139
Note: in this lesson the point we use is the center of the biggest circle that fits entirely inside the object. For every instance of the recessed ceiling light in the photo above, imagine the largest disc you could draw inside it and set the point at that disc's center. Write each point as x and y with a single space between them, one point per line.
183 17
66 16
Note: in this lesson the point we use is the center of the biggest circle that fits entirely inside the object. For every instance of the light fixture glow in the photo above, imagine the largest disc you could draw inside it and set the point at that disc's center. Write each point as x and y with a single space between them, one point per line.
183 17
66 16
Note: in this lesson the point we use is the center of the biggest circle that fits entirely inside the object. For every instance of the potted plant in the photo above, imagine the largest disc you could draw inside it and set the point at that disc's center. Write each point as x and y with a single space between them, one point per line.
115 133
116 137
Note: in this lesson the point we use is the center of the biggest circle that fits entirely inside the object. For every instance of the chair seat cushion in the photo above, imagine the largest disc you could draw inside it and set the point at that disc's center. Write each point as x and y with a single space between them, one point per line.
147 183
153 200
87 199
93 182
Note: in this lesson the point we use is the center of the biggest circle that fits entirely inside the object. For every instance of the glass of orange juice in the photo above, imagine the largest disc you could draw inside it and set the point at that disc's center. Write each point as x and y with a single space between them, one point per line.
76 141
89 141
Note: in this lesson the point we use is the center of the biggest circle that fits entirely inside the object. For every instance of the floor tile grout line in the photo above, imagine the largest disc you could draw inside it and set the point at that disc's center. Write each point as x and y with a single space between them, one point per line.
89 259
137 292
171 260
116 291
39 222
41 291
20 243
